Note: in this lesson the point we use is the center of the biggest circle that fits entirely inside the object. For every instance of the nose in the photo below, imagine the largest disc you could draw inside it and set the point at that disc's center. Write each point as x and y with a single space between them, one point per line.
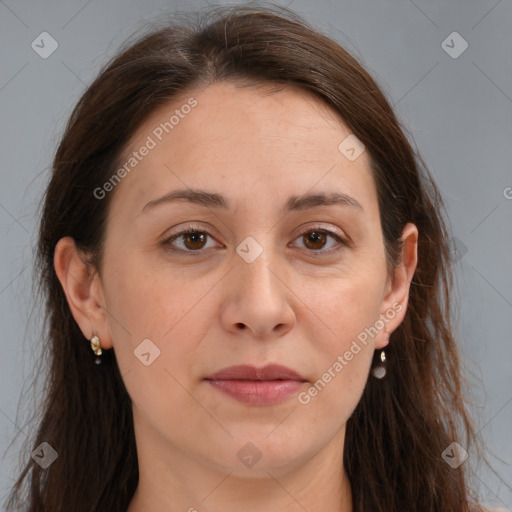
257 299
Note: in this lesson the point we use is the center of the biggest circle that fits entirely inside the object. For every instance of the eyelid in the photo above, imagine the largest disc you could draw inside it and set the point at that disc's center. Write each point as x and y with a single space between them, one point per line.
320 226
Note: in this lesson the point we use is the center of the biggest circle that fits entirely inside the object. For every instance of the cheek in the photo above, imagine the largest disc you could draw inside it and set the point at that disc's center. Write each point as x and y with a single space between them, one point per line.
342 344
150 301
156 324
157 320
338 310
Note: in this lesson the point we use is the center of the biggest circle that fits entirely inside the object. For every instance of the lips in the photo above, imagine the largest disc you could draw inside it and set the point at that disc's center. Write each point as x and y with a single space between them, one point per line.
268 385
246 372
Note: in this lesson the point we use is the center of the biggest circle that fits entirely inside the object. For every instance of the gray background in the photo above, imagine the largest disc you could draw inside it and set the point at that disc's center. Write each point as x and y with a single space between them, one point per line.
458 110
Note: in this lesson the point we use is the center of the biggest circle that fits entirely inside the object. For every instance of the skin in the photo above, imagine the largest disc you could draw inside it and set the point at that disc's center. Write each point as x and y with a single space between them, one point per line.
204 313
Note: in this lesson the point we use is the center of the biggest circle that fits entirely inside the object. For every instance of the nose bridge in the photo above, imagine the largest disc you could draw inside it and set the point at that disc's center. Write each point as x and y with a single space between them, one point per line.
258 296
256 266
256 300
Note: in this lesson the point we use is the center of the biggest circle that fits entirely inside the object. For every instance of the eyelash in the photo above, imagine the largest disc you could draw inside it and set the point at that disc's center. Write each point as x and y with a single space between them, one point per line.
318 253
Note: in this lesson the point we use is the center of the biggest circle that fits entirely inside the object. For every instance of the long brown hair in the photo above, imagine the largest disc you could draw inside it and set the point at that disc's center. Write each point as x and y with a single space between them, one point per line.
403 423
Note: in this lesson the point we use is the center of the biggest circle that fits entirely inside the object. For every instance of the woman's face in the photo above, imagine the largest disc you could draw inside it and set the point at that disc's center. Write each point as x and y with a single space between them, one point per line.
274 277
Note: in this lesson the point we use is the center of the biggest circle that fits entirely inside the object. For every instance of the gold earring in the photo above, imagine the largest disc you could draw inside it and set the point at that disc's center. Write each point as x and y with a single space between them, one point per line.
96 348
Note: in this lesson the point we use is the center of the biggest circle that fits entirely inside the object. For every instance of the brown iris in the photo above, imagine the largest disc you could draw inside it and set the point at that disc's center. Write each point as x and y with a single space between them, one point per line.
195 239
314 237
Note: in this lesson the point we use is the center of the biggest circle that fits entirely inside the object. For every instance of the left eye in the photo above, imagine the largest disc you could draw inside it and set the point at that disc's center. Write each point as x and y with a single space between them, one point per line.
318 237
194 241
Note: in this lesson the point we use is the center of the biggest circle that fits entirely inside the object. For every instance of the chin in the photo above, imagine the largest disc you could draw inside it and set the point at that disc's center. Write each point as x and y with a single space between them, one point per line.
255 454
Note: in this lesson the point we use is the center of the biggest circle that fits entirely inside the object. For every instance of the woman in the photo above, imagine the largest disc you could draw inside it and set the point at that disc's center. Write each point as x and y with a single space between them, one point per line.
248 288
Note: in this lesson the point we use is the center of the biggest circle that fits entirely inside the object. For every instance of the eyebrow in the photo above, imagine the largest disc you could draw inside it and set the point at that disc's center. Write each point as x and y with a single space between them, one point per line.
293 203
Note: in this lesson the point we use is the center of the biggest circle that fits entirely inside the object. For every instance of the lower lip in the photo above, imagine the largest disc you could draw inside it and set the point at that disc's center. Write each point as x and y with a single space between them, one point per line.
258 392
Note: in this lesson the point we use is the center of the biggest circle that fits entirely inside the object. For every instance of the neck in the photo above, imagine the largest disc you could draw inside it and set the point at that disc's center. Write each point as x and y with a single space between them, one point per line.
172 481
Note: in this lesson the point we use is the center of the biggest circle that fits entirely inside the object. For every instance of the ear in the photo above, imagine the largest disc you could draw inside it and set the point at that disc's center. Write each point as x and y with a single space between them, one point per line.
394 305
83 289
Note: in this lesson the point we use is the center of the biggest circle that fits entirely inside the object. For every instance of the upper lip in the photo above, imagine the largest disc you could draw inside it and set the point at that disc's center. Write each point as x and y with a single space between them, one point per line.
247 372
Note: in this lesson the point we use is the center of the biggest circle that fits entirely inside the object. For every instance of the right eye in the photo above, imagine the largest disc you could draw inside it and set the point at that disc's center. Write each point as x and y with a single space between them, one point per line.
192 240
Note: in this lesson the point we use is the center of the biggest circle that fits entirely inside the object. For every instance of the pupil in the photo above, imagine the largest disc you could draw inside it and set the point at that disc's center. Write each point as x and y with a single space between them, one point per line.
315 237
196 238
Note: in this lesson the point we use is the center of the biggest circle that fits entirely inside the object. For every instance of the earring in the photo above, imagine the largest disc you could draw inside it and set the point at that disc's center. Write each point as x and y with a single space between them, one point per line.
380 370
96 348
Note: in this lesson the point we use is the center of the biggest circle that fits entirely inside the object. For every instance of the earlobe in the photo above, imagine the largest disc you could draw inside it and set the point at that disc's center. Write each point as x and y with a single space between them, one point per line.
396 300
78 280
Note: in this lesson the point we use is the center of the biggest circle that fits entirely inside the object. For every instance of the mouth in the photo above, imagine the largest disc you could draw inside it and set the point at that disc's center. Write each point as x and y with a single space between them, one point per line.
268 385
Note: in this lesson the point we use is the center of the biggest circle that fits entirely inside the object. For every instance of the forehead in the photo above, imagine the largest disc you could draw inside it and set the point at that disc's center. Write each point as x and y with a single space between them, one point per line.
250 142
